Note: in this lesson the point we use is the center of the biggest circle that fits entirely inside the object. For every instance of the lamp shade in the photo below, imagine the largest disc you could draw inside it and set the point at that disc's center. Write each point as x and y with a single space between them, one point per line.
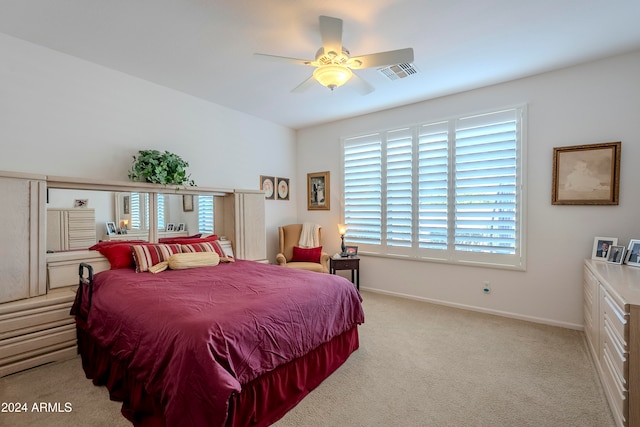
332 75
342 229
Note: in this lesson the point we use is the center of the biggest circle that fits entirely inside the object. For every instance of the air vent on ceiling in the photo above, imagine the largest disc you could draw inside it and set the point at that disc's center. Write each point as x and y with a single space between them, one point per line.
398 71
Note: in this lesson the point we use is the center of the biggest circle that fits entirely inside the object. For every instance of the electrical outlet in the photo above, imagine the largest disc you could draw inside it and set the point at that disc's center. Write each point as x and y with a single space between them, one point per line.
486 288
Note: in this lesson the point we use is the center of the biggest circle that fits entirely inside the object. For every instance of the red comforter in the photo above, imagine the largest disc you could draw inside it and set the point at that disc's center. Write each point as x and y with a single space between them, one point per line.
193 337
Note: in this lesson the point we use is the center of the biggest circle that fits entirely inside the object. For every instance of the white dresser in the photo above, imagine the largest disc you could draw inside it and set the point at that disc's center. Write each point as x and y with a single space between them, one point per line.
612 329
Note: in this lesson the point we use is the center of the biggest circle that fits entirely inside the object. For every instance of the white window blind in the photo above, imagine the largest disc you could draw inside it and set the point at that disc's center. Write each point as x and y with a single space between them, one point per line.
448 191
205 213
161 212
363 189
486 183
433 181
399 188
136 214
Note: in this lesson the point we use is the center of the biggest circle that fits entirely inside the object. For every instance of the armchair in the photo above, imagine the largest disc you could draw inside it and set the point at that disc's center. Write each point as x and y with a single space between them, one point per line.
289 236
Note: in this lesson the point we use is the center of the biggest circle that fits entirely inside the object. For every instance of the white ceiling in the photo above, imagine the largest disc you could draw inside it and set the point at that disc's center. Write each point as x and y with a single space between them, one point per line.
205 47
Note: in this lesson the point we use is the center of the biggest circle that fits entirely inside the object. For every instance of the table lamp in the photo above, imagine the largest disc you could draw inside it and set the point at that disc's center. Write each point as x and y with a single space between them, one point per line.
342 230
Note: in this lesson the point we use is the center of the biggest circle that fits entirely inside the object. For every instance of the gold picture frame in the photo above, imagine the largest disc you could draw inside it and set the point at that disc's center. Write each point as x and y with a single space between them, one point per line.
318 191
586 174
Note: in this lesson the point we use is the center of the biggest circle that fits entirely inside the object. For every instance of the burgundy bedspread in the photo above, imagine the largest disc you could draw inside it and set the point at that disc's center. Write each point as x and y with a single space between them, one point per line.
193 337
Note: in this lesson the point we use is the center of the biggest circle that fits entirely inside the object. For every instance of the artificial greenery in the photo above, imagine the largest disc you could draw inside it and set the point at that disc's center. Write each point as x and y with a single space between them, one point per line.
160 168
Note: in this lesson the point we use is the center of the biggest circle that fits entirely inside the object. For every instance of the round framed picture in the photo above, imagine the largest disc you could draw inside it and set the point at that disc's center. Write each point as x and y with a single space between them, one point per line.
267 185
283 188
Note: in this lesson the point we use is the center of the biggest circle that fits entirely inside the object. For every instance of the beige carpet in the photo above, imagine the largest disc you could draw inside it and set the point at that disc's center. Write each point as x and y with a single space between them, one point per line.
418 365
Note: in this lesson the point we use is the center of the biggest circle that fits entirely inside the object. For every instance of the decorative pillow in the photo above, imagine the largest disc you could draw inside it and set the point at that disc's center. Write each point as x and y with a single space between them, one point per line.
117 252
180 239
192 260
198 247
306 254
146 256
188 240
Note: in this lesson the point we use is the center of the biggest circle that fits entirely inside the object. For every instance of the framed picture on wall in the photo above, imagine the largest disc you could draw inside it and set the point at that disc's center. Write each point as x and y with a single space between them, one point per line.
318 191
586 174
187 202
282 185
268 185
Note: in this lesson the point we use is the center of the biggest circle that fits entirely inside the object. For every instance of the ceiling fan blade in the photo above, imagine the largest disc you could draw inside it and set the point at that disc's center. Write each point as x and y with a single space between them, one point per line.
331 32
360 85
380 59
283 59
304 85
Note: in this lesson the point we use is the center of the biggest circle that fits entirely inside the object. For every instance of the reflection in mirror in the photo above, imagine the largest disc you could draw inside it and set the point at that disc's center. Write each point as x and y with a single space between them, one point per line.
77 219
132 211
184 215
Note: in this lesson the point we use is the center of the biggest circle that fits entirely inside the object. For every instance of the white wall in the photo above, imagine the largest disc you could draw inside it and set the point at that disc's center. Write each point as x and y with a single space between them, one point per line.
596 102
63 116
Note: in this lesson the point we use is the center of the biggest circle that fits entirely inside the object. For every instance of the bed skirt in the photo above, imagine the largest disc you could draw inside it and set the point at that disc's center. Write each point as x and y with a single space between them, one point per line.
261 402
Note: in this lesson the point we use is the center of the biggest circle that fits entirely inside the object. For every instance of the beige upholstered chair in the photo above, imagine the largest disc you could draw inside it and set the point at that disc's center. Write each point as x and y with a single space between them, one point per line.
289 237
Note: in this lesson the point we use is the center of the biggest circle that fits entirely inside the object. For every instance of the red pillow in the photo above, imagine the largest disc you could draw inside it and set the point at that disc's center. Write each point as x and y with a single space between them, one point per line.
179 239
187 240
306 254
119 255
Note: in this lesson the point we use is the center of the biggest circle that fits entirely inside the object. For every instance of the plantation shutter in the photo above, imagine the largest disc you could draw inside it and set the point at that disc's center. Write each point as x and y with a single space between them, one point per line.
136 222
399 200
161 212
486 183
363 189
433 199
205 214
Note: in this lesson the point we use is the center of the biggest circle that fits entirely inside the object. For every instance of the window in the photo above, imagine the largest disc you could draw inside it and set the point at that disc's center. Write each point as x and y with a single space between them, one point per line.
205 213
449 191
161 212
139 211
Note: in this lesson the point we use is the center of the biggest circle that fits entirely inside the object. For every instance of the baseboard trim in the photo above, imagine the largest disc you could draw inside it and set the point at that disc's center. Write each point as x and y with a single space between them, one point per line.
478 309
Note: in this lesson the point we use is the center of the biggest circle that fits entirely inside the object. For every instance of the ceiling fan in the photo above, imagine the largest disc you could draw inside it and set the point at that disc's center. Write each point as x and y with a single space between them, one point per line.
334 64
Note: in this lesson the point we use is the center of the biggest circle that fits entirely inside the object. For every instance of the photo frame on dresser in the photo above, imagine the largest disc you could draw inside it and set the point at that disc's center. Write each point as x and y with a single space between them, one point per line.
601 246
633 253
111 228
616 254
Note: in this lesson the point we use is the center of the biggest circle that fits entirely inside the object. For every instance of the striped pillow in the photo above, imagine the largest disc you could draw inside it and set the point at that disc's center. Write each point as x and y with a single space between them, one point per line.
198 247
147 256
213 246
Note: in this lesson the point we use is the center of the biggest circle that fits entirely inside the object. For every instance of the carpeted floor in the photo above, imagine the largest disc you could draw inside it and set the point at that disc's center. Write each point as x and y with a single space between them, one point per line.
418 365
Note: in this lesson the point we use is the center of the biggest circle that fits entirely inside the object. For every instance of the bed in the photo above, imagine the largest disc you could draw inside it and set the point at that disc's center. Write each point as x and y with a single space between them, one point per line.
235 344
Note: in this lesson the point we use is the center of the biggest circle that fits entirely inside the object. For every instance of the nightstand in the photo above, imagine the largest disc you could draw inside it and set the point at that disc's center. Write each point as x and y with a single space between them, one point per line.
347 263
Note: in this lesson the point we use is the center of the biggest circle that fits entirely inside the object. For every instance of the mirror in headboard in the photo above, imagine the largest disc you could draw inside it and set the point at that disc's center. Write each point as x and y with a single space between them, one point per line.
131 216
186 214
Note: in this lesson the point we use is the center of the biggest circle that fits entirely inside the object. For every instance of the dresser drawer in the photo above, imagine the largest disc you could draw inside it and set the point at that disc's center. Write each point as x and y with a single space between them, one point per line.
618 395
35 341
35 319
616 316
616 354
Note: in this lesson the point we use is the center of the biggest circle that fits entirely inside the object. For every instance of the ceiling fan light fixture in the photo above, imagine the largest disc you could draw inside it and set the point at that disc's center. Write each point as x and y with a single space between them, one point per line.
332 76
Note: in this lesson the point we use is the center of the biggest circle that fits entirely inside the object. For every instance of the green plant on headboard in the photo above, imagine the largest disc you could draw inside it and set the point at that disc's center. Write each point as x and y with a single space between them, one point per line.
160 168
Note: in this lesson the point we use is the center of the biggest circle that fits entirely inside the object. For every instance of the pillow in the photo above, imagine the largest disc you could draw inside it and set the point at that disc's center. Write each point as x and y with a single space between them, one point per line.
146 256
188 240
198 247
179 239
306 254
117 252
191 260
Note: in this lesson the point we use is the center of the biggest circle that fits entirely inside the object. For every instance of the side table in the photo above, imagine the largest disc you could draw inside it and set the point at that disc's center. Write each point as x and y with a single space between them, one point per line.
347 263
